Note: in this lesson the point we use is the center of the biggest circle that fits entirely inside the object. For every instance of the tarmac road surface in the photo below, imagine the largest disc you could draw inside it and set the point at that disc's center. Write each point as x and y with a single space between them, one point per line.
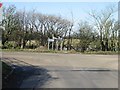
68 70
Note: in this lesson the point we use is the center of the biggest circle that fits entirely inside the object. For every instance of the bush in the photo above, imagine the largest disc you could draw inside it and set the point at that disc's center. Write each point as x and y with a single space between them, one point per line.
8 45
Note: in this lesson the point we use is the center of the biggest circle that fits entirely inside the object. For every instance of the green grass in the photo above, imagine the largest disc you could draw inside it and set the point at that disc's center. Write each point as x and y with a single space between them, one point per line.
67 52
102 52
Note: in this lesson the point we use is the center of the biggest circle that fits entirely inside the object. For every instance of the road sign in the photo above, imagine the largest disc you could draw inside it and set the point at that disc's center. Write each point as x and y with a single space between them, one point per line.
0 11
0 5
50 40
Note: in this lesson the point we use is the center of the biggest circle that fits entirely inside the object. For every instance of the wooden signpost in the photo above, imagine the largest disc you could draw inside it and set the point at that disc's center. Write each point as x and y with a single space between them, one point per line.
55 40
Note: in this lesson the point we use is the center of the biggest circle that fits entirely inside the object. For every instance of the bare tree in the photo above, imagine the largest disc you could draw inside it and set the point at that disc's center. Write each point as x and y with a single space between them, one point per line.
8 23
70 30
86 35
103 24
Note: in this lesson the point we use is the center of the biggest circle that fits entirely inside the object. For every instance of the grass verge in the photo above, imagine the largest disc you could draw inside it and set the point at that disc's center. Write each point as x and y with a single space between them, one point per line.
66 52
102 52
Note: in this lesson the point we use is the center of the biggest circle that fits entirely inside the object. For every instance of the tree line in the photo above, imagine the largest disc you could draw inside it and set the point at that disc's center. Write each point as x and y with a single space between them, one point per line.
22 26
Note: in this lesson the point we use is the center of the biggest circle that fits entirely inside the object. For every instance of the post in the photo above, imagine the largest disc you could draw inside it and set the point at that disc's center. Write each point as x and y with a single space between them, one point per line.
56 45
48 45
0 45
61 45
52 45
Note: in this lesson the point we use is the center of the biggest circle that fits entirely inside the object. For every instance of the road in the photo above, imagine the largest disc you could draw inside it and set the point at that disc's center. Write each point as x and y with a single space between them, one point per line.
70 70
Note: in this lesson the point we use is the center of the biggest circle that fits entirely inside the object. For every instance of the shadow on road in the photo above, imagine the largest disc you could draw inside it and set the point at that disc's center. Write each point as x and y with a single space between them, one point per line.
23 71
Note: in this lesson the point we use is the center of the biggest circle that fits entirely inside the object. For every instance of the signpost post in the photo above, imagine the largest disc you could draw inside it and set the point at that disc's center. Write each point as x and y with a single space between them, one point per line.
0 47
50 40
